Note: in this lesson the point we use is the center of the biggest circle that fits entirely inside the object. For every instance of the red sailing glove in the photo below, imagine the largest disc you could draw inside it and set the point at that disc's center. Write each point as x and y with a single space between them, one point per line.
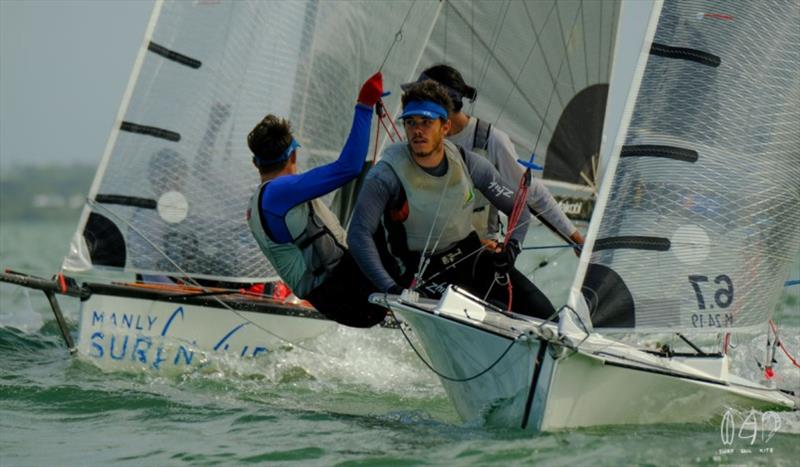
371 90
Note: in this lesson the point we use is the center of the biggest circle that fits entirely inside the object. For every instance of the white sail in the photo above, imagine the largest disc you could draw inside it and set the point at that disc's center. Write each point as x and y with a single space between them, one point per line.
700 224
171 193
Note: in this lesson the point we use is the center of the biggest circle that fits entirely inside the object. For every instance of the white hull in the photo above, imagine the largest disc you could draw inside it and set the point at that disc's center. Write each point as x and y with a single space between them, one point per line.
540 384
128 332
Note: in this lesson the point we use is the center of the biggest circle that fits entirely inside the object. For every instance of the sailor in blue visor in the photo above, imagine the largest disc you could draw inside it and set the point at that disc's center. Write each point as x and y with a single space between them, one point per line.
487 140
297 232
419 198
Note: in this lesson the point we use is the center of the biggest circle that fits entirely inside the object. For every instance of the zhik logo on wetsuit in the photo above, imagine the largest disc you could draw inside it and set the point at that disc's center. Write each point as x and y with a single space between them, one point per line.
500 190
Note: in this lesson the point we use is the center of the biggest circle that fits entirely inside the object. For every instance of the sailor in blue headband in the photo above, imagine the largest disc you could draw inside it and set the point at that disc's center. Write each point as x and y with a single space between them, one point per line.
297 231
262 161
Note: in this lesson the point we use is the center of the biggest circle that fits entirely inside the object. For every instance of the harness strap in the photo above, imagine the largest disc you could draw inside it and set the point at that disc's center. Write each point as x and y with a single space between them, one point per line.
309 240
480 139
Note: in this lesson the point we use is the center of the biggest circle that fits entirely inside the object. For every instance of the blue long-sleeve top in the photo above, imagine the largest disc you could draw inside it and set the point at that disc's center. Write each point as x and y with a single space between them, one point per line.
285 192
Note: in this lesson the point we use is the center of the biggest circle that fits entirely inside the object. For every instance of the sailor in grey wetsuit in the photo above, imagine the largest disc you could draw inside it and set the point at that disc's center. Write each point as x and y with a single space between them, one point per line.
425 190
483 138
297 232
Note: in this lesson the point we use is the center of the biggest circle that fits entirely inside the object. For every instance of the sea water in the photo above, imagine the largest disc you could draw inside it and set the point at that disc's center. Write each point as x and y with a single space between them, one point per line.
353 397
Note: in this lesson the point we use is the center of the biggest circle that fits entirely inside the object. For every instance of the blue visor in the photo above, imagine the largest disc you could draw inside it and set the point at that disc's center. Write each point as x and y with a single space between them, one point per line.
285 155
425 109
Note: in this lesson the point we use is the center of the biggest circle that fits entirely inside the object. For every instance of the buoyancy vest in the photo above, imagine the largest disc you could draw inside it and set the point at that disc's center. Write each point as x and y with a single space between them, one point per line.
424 192
318 244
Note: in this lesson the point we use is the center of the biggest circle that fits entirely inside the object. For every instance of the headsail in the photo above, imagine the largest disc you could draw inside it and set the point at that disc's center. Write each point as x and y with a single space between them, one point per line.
176 177
700 224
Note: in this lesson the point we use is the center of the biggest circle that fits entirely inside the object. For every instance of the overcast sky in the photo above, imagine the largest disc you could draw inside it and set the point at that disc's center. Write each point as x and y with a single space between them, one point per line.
64 65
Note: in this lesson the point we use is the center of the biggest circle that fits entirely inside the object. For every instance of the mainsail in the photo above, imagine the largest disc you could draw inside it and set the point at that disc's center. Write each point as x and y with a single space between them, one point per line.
700 221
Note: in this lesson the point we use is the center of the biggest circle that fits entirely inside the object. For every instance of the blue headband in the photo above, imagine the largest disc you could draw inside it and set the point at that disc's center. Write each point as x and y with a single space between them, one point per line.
285 155
425 109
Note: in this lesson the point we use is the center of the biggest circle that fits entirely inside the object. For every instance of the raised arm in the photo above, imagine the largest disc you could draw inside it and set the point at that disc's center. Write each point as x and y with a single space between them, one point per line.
288 191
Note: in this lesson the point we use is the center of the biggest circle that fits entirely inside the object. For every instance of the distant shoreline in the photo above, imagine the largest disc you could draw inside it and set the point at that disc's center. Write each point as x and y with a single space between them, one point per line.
44 192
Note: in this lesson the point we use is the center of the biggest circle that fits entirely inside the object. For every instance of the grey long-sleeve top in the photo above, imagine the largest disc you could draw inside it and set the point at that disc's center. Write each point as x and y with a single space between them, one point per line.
382 190
502 154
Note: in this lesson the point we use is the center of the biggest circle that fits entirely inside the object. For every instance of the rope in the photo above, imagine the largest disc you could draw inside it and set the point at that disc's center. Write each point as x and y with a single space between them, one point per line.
478 251
780 344
449 378
396 131
510 293
520 203
378 110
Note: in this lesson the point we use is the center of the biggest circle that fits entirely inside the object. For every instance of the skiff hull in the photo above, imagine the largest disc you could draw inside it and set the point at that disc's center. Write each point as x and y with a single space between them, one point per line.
125 327
541 385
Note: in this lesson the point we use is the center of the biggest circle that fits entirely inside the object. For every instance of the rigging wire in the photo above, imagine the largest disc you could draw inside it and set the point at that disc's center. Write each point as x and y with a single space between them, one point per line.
398 35
555 82
492 55
536 42
470 254
564 45
495 38
521 196
424 258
